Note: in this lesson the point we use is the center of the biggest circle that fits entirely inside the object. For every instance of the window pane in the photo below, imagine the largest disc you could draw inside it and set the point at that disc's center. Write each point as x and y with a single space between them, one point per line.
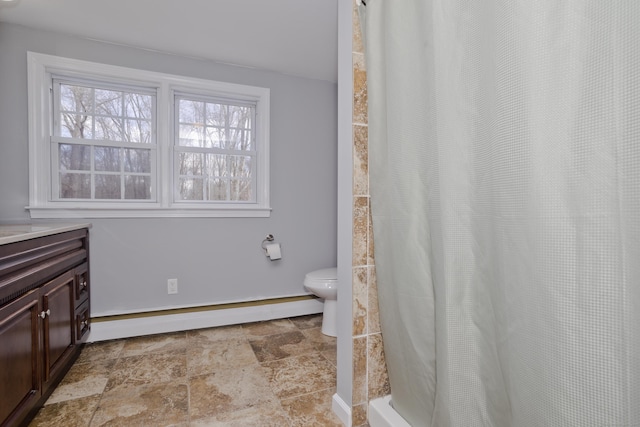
240 189
74 157
191 164
191 112
215 137
191 188
76 109
109 128
137 131
218 189
217 165
137 187
240 122
240 166
239 117
76 125
76 98
107 187
107 159
105 114
191 136
216 115
137 160
240 139
138 106
108 102
228 126
75 186
215 125
191 120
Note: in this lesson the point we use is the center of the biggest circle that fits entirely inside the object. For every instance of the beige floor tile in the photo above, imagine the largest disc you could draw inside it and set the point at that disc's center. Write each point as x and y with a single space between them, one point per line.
359 415
148 369
154 344
101 351
307 322
82 380
206 357
280 346
212 335
331 356
313 409
207 377
269 415
321 341
271 327
149 405
300 375
76 413
229 391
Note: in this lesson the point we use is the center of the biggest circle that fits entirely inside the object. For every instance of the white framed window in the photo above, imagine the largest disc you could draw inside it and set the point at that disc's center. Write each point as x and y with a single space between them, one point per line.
215 153
103 145
108 141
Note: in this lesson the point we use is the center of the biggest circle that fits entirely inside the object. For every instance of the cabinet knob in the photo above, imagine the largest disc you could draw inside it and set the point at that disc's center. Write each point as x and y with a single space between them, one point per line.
45 314
83 284
84 324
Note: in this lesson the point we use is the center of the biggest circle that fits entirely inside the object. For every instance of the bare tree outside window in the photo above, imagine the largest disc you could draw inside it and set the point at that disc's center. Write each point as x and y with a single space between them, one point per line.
104 132
216 152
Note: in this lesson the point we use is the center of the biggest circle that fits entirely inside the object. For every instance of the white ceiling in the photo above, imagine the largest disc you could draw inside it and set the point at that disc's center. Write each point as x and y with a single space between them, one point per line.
296 37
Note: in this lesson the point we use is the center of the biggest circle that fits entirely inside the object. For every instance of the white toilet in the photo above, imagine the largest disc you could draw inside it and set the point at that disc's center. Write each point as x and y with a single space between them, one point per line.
324 284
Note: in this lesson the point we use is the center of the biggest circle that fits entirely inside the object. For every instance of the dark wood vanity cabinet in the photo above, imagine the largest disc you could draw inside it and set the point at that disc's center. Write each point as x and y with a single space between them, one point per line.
44 318
20 387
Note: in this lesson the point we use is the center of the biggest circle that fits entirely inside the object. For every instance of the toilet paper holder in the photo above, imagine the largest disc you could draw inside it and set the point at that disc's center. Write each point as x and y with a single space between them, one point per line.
271 250
269 238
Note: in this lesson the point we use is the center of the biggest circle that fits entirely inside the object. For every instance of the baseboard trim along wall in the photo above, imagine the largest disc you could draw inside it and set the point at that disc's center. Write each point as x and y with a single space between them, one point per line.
341 409
173 320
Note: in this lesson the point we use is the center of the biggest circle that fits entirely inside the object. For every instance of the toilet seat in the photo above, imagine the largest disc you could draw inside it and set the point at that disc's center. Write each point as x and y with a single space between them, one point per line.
327 276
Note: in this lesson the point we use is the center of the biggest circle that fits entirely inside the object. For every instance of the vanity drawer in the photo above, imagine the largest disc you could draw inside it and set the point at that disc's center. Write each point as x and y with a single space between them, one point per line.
83 321
82 284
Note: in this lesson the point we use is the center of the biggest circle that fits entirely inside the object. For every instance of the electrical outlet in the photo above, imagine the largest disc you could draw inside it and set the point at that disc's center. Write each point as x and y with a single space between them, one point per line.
172 286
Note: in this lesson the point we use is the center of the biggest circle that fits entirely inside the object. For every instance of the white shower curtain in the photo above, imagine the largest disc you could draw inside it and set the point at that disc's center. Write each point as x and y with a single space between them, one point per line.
505 189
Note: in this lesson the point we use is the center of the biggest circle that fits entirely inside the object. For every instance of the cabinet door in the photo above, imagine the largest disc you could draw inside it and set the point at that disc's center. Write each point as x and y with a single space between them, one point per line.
57 330
19 358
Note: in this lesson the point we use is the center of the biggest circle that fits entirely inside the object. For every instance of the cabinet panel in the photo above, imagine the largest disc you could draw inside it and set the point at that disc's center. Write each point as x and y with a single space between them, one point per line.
83 322
82 284
19 357
57 304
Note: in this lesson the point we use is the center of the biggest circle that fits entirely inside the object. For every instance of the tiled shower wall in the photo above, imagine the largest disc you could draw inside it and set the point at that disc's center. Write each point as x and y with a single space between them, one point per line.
369 368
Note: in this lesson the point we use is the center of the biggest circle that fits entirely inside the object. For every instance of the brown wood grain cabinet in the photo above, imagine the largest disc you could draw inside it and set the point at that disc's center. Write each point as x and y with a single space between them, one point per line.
44 318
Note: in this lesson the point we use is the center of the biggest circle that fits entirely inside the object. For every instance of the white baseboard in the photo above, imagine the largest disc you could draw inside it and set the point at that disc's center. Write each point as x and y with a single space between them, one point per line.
341 409
158 324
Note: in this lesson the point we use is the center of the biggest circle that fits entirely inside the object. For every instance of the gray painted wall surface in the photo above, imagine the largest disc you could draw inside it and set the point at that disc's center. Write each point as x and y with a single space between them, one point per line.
214 259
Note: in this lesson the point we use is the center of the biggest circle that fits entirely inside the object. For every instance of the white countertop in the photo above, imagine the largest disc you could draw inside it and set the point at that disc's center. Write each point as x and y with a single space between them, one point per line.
18 232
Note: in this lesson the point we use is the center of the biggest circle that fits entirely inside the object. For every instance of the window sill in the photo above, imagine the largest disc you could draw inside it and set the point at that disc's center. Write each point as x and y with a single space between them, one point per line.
151 212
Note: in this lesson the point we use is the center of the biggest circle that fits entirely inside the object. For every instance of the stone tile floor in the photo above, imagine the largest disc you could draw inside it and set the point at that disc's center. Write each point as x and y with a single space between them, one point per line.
279 373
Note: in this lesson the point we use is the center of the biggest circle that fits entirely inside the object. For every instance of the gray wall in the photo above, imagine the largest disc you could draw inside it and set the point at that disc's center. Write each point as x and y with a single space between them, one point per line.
215 259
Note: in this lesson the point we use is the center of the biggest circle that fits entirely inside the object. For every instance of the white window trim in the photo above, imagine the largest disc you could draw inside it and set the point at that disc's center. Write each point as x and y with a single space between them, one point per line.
40 67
